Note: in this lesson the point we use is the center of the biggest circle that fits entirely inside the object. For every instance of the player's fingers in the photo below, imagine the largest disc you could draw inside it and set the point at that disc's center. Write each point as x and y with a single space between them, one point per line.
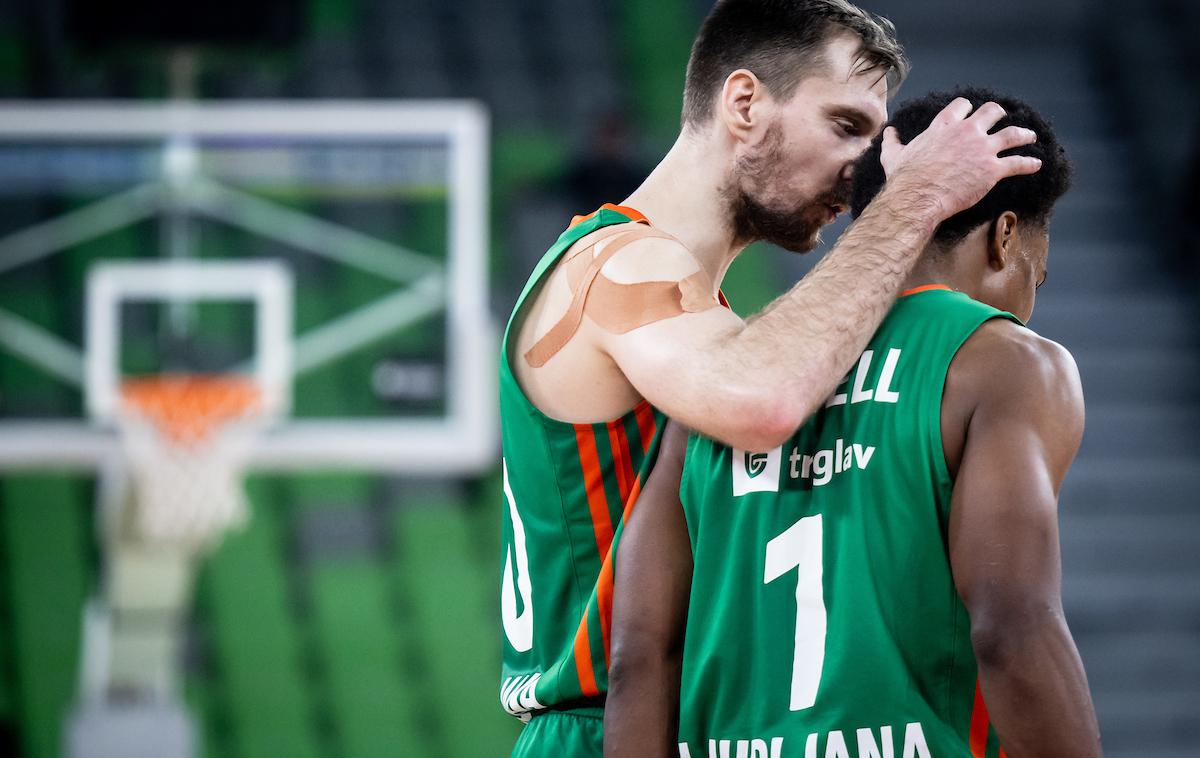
987 115
1014 136
958 109
889 148
891 140
1016 165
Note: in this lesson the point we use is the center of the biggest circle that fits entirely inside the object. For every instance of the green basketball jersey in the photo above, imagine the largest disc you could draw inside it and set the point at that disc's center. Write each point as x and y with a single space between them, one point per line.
823 621
567 490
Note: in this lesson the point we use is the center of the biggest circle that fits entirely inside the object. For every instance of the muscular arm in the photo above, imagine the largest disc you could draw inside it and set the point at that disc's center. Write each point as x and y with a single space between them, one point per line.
751 384
1023 412
653 578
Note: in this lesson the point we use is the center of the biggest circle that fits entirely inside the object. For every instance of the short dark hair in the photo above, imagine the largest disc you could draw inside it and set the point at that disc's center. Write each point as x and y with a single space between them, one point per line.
1030 196
780 41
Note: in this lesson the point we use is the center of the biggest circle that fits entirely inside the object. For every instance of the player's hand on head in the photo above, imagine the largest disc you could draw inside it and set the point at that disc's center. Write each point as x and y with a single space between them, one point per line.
956 160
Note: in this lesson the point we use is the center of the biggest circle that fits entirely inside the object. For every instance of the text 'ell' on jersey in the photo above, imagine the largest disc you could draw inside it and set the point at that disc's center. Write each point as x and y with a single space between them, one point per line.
824 620
567 489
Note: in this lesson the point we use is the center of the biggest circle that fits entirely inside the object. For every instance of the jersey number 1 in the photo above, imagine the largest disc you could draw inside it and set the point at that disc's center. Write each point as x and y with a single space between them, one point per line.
800 548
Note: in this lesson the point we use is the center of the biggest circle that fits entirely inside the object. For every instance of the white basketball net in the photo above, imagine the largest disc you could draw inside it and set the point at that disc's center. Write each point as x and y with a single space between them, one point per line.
187 463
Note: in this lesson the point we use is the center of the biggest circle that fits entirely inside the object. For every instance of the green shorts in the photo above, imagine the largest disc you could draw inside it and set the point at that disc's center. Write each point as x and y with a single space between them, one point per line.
562 734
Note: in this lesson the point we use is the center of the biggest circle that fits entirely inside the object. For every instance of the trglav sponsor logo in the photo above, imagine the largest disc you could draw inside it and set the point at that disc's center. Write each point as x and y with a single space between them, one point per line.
760 472
756 472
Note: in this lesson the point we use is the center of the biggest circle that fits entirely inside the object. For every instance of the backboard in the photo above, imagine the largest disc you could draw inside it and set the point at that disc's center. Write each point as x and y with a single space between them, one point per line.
336 251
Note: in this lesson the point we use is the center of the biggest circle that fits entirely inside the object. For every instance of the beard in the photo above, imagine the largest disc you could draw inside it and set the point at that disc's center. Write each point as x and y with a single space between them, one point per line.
794 227
795 230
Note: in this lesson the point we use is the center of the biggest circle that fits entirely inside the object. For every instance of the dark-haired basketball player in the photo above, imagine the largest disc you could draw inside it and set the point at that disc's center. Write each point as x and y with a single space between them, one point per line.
864 588
620 324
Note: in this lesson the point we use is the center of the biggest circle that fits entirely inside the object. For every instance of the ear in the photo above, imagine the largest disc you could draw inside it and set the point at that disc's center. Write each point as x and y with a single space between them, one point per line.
736 107
1002 243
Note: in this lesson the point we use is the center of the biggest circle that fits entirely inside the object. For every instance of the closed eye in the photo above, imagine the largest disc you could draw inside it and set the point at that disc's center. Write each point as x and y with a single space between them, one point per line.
849 128
853 121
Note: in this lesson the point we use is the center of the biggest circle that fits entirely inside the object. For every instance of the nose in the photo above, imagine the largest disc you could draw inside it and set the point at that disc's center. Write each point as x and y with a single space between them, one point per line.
847 172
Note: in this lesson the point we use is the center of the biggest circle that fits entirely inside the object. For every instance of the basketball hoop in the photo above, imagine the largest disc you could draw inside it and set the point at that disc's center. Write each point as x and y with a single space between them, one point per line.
186 440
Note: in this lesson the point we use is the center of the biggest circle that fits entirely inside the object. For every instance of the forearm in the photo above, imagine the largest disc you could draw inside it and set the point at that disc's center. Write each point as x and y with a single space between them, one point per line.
806 341
641 712
653 577
1036 691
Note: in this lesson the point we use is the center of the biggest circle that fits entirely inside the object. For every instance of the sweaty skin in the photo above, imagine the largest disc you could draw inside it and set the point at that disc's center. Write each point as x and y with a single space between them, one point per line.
749 384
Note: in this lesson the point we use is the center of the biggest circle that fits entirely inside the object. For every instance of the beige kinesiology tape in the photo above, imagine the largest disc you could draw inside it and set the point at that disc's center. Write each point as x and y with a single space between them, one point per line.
613 306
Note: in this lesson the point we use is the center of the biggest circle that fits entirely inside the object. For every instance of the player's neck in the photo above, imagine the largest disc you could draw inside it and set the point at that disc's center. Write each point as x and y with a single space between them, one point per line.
682 196
946 269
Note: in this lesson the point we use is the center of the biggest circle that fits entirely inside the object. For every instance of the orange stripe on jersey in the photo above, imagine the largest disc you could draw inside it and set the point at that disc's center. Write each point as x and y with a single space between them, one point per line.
632 499
604 583
923 288
646 425
577 220
979 725
593 481
621 461
626 211
604 596
583 661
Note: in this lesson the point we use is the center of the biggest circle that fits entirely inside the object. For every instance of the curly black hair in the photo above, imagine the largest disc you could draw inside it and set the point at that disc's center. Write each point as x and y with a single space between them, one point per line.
1030 196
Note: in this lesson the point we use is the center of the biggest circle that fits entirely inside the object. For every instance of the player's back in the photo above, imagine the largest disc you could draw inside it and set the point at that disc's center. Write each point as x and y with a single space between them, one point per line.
823 618
567 487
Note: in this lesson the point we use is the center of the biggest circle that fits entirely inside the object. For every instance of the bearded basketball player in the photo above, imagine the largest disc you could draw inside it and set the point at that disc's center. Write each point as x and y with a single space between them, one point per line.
621 324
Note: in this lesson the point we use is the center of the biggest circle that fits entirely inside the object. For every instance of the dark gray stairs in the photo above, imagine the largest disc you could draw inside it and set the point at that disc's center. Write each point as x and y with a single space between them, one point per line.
1130 507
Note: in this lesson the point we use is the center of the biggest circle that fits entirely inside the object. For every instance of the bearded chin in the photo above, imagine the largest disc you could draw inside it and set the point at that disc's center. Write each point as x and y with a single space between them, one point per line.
795 230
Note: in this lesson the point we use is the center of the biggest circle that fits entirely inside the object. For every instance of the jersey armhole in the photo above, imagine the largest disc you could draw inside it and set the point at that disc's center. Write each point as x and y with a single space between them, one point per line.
685 478
941 469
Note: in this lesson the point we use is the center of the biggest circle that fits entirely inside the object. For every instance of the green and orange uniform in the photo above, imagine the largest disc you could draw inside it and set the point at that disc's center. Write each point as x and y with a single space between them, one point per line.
568 489
823 620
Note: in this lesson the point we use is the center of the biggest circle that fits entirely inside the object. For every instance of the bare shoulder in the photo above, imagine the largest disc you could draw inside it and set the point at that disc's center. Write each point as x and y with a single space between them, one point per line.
1013 370
651 259
1002 354
1007 384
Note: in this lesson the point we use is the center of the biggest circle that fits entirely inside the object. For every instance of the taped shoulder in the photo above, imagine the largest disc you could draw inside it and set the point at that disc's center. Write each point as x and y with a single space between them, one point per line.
620 307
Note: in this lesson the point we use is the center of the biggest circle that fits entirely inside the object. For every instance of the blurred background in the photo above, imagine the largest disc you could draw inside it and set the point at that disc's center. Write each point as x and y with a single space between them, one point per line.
355 614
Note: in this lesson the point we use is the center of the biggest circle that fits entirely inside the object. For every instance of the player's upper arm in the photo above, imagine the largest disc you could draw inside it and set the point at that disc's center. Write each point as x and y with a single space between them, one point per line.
676 362
1024 428
653 571
653 578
